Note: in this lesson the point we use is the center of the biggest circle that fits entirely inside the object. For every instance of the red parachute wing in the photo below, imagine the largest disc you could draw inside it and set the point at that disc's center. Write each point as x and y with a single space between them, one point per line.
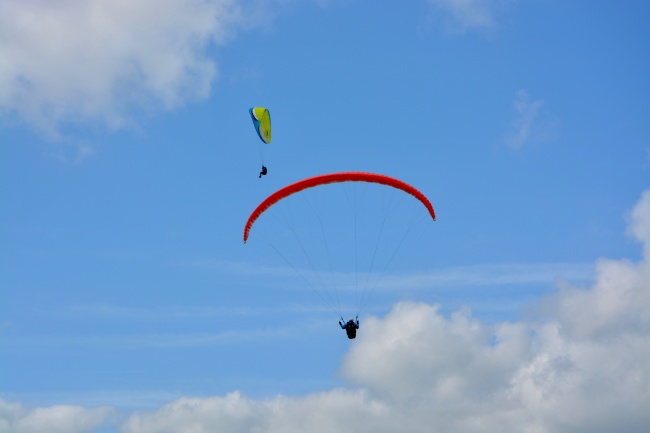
334 178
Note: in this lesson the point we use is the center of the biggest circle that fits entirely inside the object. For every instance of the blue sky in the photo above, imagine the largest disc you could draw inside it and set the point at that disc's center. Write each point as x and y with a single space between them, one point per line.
130 165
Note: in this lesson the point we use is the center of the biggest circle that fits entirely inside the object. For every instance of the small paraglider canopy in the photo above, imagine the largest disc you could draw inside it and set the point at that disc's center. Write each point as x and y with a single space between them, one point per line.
262 121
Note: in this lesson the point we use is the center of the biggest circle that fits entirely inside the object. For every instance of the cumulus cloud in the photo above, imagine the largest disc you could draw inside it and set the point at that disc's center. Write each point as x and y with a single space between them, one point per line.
580 365
14 418
336 410
639 223
100 60
618 303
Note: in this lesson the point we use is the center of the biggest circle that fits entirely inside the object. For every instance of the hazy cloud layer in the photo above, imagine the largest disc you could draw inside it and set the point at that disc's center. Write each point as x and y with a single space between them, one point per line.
457 276
73 61
581 365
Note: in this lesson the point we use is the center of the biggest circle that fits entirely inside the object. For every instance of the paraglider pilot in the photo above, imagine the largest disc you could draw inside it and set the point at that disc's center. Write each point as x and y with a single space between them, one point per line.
350 327
263 172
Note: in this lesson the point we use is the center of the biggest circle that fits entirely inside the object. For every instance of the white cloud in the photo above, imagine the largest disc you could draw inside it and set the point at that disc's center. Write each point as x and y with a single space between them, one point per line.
417 370
532 123
470 14
580 366
73 61
14 418
526 121
231 413
639 222
618 303
337 410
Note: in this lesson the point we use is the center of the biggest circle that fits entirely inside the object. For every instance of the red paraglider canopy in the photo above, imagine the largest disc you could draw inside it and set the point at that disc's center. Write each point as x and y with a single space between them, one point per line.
335 178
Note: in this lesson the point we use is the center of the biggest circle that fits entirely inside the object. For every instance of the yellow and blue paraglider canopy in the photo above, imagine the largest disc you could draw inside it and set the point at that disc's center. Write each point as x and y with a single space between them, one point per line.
262 121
